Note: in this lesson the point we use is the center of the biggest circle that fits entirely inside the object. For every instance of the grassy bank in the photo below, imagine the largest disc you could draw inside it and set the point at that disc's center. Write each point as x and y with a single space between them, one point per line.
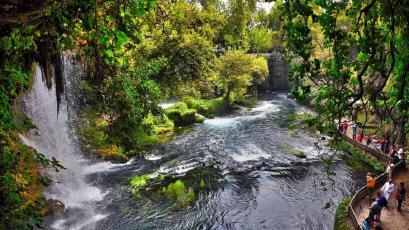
341 215
95 131
358 156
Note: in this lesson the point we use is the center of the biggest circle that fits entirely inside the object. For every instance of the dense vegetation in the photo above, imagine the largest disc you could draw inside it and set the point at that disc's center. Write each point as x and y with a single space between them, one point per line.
352 58
135 54
348 57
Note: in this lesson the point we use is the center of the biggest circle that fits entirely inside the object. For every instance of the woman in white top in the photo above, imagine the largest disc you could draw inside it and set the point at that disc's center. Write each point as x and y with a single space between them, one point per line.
389 170
388 189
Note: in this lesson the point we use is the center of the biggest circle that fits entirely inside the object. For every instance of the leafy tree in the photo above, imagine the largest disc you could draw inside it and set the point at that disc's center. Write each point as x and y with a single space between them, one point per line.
368 64
261 39
237 71
238 21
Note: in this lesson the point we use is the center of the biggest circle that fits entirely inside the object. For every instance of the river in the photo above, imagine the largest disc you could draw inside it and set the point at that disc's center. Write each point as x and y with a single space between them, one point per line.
251 183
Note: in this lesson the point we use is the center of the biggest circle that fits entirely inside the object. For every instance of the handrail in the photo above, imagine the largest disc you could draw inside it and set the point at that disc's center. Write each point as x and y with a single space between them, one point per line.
362 192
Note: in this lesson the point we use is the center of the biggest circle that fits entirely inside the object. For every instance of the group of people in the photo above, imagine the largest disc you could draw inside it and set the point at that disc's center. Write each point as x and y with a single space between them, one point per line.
389 190
383 144
382 200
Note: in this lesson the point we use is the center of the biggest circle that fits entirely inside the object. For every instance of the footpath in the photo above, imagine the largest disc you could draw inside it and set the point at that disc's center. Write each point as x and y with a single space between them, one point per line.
390 218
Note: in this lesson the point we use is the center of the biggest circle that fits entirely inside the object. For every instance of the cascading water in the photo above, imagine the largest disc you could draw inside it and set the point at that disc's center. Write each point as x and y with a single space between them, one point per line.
55 137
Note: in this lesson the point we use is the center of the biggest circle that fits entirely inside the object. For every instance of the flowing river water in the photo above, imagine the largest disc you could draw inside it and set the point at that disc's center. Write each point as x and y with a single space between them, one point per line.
252 182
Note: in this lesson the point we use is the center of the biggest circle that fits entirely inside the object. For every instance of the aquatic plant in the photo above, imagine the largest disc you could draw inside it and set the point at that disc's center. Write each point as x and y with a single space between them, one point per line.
177 191
286 148
140 181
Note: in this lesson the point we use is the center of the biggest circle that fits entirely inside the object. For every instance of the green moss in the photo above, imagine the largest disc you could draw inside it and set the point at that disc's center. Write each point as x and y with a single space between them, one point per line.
286 148
202 183
181 115
183 196
208 108
341 215
140 181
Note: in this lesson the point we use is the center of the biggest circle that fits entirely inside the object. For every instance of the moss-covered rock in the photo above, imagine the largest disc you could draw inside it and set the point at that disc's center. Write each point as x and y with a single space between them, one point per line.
208 108
291 150
181 115
112 152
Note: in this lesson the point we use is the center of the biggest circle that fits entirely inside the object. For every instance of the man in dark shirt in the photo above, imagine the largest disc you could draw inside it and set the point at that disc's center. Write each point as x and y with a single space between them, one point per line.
400 196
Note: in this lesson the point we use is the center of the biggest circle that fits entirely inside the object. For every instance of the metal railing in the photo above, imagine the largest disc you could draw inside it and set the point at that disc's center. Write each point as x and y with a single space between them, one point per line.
380 180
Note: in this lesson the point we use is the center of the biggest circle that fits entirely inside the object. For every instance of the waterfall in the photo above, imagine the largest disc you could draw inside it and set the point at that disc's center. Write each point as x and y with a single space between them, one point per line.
55 137
277 79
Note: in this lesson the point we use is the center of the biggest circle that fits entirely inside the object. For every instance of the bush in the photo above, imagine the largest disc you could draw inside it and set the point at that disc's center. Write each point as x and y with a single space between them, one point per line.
358 155
208 108
341 215
181 115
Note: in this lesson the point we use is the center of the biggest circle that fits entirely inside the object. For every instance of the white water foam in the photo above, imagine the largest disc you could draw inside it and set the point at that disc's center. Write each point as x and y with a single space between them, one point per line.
250 153
55 137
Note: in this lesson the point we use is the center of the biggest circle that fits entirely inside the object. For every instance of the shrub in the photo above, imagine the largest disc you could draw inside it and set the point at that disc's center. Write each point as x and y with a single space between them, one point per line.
341 215
208 108
181 115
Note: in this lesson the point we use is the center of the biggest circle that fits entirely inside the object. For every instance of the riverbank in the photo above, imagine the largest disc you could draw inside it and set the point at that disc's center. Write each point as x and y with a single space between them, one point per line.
99 140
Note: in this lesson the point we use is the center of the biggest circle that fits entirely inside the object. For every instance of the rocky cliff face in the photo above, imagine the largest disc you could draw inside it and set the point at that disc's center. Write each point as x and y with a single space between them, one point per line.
277 79
22 12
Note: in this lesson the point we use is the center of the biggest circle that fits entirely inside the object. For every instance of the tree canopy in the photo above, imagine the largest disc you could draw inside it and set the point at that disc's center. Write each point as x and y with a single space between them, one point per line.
366 66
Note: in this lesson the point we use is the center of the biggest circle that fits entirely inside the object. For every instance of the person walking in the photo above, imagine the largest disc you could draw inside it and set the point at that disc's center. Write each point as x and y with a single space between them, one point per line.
389 169
401 154
400 196
370 183
388 189
354 129
382 202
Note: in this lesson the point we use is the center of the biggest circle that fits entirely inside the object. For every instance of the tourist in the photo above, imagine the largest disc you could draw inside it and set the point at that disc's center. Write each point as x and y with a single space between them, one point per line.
382 202
373 215
370 182
368 139
392 151
354 129
382 142
345 127
401 154
359 137
388 189
395 159
400 196
387 142
389 170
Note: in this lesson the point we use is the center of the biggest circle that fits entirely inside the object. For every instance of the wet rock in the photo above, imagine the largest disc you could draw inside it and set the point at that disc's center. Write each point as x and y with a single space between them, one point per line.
53 207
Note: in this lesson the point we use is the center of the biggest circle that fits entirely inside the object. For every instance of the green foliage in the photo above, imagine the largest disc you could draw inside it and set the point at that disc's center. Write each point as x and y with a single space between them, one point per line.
177 191
353 72
208 108
181 115
341 215
261 39
286 148
358 155
238 71
301 121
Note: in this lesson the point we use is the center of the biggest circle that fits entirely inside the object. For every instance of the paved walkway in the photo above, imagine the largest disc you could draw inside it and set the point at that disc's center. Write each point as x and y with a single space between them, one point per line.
390 218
